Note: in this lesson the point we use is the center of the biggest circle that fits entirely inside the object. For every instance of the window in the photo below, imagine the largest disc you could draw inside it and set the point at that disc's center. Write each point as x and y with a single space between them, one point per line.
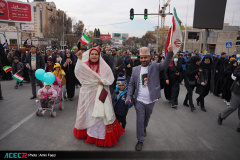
13 41
11 23
193 35
238 38
237 43
34 9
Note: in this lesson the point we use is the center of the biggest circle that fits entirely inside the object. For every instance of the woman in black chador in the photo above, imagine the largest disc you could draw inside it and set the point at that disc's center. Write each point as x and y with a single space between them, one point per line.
68 67
205 81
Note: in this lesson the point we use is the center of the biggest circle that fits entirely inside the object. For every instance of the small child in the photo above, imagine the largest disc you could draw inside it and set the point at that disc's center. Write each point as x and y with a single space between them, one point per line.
59 58
119 98
59 72
49 67
17 67
46 94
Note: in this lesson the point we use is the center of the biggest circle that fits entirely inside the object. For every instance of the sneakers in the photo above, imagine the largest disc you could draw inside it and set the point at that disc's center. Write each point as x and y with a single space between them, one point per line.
219 119
228 103
174 106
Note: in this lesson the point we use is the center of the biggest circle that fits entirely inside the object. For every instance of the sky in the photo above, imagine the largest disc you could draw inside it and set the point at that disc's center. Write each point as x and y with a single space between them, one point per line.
104 14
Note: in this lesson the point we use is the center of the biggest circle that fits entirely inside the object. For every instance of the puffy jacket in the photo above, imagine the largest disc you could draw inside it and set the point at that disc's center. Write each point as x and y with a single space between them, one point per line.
45 93
59 73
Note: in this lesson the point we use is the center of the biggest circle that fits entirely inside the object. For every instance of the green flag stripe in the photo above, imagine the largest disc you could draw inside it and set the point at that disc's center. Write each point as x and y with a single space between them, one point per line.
84 35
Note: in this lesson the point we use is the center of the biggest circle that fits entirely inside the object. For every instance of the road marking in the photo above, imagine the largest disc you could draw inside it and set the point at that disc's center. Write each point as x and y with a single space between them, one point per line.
13 128
205 143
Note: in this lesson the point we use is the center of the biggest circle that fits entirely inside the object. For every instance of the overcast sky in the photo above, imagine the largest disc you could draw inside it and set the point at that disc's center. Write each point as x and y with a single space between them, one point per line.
101 13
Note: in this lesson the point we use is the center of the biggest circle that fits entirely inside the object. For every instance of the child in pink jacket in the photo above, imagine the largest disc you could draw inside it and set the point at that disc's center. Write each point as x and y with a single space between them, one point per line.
46 94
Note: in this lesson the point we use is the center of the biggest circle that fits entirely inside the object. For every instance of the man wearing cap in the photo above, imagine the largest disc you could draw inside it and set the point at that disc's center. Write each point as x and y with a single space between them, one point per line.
145 86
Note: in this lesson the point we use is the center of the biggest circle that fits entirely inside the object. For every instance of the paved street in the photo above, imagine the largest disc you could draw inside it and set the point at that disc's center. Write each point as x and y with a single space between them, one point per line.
175 134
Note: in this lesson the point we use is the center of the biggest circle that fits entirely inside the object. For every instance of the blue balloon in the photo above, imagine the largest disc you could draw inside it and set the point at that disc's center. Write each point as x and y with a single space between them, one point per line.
49 78
39 74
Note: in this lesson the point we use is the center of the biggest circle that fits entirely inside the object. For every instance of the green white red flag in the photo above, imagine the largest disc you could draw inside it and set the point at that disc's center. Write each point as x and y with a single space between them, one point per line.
7 68
174 35
133 57
84 39
18 77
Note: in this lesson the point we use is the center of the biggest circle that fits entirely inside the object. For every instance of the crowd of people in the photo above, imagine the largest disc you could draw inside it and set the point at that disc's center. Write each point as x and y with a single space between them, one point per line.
127 77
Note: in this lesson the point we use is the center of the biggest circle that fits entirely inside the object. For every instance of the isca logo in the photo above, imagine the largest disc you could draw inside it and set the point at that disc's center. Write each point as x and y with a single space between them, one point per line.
15 155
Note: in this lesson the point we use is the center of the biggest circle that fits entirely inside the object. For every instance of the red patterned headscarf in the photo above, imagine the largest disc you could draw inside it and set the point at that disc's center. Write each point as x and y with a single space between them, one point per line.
94 65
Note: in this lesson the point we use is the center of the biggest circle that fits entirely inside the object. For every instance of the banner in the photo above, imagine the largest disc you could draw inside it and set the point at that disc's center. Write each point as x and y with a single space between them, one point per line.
105 37
16 11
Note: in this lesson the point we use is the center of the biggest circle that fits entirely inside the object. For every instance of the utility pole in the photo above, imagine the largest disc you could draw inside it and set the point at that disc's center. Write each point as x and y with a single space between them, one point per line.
158 31
185 35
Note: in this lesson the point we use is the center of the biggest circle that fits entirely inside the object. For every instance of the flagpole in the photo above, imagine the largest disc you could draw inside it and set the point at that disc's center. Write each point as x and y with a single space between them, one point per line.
171 33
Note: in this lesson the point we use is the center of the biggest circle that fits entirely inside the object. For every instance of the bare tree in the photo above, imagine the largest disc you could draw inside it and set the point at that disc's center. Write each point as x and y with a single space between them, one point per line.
78 28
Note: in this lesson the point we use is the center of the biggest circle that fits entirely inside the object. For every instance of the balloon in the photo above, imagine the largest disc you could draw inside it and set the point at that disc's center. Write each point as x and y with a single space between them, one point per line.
39 74
49 78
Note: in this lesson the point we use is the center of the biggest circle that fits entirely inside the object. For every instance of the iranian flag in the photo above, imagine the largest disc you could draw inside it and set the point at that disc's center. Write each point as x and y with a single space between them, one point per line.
84 39
133 57
7 68
174 35
18 77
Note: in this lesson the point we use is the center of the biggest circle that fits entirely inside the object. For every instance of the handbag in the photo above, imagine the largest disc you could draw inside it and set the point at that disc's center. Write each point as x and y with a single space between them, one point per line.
103 95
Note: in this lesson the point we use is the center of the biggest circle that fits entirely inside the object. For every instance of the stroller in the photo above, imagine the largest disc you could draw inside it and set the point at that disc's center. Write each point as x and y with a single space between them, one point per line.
58 100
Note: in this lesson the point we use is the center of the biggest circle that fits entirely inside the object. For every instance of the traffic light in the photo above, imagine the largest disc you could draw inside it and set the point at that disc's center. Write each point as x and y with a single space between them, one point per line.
145 14
131 13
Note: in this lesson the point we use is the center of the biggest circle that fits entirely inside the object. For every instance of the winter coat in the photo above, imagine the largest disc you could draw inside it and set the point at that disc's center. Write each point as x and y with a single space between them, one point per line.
220 66
19 67
120 108
46 93
207 77
236 84
133 63
39 61
119 64
227 74
192 70
10 57
59 73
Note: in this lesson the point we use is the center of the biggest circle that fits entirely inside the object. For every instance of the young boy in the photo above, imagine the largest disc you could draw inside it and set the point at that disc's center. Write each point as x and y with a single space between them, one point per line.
119 98
46 94
59 72
17 67
59 58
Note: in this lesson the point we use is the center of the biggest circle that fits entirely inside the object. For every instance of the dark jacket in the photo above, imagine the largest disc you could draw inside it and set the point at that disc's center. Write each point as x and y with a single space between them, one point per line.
40 61
119 64
236 84
170 72
207 77
19 67
106 58
120 108
227 74
220 66
133 63
192 69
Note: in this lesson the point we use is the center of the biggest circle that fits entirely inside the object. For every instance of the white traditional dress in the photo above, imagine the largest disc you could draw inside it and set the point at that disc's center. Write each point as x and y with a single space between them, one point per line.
95 121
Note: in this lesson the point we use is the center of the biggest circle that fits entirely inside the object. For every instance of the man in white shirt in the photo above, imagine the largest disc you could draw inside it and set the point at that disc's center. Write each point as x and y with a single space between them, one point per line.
145 86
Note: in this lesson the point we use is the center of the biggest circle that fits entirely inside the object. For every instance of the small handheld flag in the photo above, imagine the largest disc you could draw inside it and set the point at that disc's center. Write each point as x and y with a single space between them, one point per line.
133 57
18 77
84 39
7 68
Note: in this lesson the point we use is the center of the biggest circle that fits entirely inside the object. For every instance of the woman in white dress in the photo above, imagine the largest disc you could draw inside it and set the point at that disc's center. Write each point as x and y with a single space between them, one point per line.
95 121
